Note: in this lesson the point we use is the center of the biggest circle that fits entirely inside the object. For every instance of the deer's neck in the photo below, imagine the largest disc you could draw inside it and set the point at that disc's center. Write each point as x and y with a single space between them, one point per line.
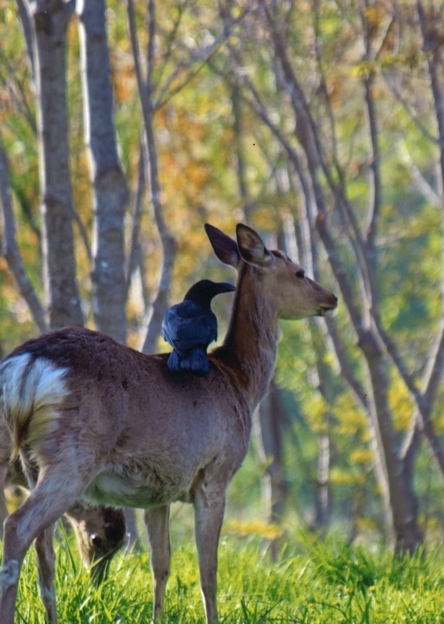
250 346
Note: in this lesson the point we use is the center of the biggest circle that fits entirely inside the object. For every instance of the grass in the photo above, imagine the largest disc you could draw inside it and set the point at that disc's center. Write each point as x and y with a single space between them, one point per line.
318 582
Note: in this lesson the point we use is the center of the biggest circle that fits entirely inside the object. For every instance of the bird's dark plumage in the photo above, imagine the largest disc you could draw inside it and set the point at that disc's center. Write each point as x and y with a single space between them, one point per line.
189 327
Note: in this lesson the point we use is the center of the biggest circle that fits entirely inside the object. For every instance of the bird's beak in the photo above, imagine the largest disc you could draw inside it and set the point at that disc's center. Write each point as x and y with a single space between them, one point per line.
226 287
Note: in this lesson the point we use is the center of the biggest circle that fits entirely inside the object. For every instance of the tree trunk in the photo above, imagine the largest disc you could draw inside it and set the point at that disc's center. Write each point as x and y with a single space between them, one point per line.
322 501
399 498
50 20
270 421
108 181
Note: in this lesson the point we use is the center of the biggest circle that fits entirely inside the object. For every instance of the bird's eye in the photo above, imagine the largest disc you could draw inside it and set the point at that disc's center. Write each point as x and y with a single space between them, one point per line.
300 273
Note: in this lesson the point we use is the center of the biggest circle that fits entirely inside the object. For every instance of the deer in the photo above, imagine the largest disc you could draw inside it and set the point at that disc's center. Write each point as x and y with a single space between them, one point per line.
100 531
94 420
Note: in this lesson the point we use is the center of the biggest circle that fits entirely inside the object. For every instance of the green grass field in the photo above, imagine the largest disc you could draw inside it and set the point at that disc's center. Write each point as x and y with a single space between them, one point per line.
312 582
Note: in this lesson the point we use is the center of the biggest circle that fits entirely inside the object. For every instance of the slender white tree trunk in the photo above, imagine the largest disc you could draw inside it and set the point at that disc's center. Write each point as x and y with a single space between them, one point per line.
49 21
108 182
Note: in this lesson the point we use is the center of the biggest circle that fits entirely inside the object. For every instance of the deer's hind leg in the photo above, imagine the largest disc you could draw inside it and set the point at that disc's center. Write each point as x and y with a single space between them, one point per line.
57 488
157 524
3 508
46 566
5 453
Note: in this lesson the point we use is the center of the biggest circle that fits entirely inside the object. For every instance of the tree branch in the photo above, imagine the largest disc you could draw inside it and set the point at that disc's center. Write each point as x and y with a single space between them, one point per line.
433 53
134 246
11 251
168 242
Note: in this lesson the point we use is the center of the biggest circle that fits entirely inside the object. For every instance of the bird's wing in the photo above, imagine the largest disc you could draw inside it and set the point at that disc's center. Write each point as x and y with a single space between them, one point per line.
169 325
184 330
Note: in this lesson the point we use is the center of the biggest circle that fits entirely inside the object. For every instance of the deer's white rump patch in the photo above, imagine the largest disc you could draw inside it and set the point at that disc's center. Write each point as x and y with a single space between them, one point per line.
31 393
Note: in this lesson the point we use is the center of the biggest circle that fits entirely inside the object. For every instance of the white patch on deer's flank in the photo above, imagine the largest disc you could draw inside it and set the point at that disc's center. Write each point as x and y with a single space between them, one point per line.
36 388
11 374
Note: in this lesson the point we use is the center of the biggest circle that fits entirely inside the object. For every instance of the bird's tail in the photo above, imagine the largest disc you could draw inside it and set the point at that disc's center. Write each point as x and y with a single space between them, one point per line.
197 362
174 362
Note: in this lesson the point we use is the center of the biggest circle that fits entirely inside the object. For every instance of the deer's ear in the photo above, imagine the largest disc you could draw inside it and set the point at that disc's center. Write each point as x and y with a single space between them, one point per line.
251 246
224 247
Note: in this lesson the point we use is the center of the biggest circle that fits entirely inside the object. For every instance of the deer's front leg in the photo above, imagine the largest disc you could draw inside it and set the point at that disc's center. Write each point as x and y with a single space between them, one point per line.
209 510
157 524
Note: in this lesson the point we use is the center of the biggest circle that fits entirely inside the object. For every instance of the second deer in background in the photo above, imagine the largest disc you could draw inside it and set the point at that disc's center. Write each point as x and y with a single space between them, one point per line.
100 530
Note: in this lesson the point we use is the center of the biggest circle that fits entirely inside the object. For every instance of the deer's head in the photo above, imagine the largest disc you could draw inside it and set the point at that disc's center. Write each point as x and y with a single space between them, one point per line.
282 281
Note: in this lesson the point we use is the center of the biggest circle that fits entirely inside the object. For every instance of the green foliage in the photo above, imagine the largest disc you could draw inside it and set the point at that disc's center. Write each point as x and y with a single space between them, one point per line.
198 148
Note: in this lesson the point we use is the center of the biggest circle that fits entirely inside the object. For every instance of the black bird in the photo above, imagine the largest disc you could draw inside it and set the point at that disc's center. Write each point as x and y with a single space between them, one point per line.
189 327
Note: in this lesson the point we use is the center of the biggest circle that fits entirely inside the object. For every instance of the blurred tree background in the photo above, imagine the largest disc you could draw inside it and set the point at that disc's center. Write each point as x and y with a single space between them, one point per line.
126 126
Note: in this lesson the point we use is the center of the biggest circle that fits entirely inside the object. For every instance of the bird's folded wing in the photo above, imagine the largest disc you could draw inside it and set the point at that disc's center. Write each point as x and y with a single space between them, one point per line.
188 333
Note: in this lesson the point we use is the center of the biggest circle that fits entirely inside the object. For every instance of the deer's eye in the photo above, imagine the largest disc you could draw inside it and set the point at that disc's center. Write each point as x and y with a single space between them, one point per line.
96 540
300 273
